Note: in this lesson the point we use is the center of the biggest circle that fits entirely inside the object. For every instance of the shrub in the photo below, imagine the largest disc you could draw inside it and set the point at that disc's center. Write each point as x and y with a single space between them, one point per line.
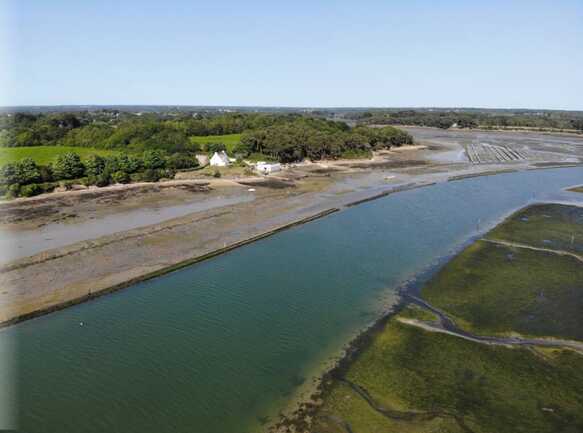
217 173
130 163
31 190
27 171
120 177
46 173
154 159
22 172
356 154
8 174
13 190
180 161
101 180
68 166
150 175
94 165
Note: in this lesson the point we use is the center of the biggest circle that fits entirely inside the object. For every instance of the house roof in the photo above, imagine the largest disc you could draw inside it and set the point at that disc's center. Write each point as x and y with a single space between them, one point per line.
222 155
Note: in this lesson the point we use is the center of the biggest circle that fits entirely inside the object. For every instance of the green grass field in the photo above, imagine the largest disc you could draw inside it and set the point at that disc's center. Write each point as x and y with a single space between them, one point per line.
46 154
229 140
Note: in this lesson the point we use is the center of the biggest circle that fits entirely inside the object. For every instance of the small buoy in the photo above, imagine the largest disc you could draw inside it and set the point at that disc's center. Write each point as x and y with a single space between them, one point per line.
251 190
81 323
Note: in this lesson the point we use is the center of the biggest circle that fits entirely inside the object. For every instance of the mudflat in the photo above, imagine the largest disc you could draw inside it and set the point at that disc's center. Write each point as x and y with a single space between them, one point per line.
81 252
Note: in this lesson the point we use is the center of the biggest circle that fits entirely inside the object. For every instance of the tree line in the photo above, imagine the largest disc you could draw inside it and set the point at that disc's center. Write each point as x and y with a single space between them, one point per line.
26 178
318 139
128 131
473 119
154 145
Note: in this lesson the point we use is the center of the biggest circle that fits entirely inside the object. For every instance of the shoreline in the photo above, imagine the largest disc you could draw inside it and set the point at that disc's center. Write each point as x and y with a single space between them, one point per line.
306 405
406 293
364 336
64 252
160 272
181 264
518 129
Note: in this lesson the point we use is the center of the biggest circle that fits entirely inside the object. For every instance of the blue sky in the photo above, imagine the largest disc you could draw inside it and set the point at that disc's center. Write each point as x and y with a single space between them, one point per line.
294 53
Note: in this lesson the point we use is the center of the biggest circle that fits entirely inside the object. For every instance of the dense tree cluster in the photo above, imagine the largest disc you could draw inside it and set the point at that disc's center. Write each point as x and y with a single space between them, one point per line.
129 132
153 143
26 178
317 139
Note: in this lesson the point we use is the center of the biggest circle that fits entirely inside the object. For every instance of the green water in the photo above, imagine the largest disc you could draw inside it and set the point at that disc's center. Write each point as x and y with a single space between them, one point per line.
219 346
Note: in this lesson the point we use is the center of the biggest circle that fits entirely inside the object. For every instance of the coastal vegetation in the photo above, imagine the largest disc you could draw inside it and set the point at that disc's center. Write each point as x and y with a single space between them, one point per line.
519 271
493 289
99 148
411 380
487 119
412 375
552 226
286 136
26 178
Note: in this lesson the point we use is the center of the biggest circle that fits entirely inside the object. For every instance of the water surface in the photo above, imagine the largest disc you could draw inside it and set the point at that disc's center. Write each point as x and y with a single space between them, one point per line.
219 346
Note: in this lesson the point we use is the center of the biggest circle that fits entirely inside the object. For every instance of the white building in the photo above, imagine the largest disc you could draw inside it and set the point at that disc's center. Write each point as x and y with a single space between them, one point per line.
267 168
220 159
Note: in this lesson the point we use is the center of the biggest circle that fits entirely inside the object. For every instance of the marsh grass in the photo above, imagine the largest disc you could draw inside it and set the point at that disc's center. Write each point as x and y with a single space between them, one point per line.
443 383
495 289
553 226
491 389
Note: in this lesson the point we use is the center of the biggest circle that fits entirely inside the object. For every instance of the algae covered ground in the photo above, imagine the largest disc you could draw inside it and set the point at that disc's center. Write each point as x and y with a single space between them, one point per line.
419 381
552 226
410 379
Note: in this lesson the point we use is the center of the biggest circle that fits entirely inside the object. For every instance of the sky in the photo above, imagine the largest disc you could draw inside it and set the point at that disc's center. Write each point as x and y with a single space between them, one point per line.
508 54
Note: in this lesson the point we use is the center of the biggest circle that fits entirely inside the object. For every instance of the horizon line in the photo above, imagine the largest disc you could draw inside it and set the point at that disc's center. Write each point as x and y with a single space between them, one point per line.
312 107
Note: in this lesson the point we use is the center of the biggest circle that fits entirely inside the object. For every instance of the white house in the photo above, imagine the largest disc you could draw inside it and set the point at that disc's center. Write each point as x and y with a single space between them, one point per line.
267 168
220 159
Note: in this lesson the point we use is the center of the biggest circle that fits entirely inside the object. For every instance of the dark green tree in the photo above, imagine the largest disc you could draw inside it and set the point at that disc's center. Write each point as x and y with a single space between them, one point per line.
94 165
154 159
68 166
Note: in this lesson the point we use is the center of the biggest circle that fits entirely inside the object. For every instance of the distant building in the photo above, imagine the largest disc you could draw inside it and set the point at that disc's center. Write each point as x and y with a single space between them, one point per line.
267 168
220 159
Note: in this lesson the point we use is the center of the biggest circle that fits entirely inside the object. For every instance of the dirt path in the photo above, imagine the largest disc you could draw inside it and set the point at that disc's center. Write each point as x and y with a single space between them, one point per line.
530 247
445 325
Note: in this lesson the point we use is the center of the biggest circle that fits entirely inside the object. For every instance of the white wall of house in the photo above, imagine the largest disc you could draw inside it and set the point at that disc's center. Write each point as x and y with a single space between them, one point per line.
220 159
266 168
